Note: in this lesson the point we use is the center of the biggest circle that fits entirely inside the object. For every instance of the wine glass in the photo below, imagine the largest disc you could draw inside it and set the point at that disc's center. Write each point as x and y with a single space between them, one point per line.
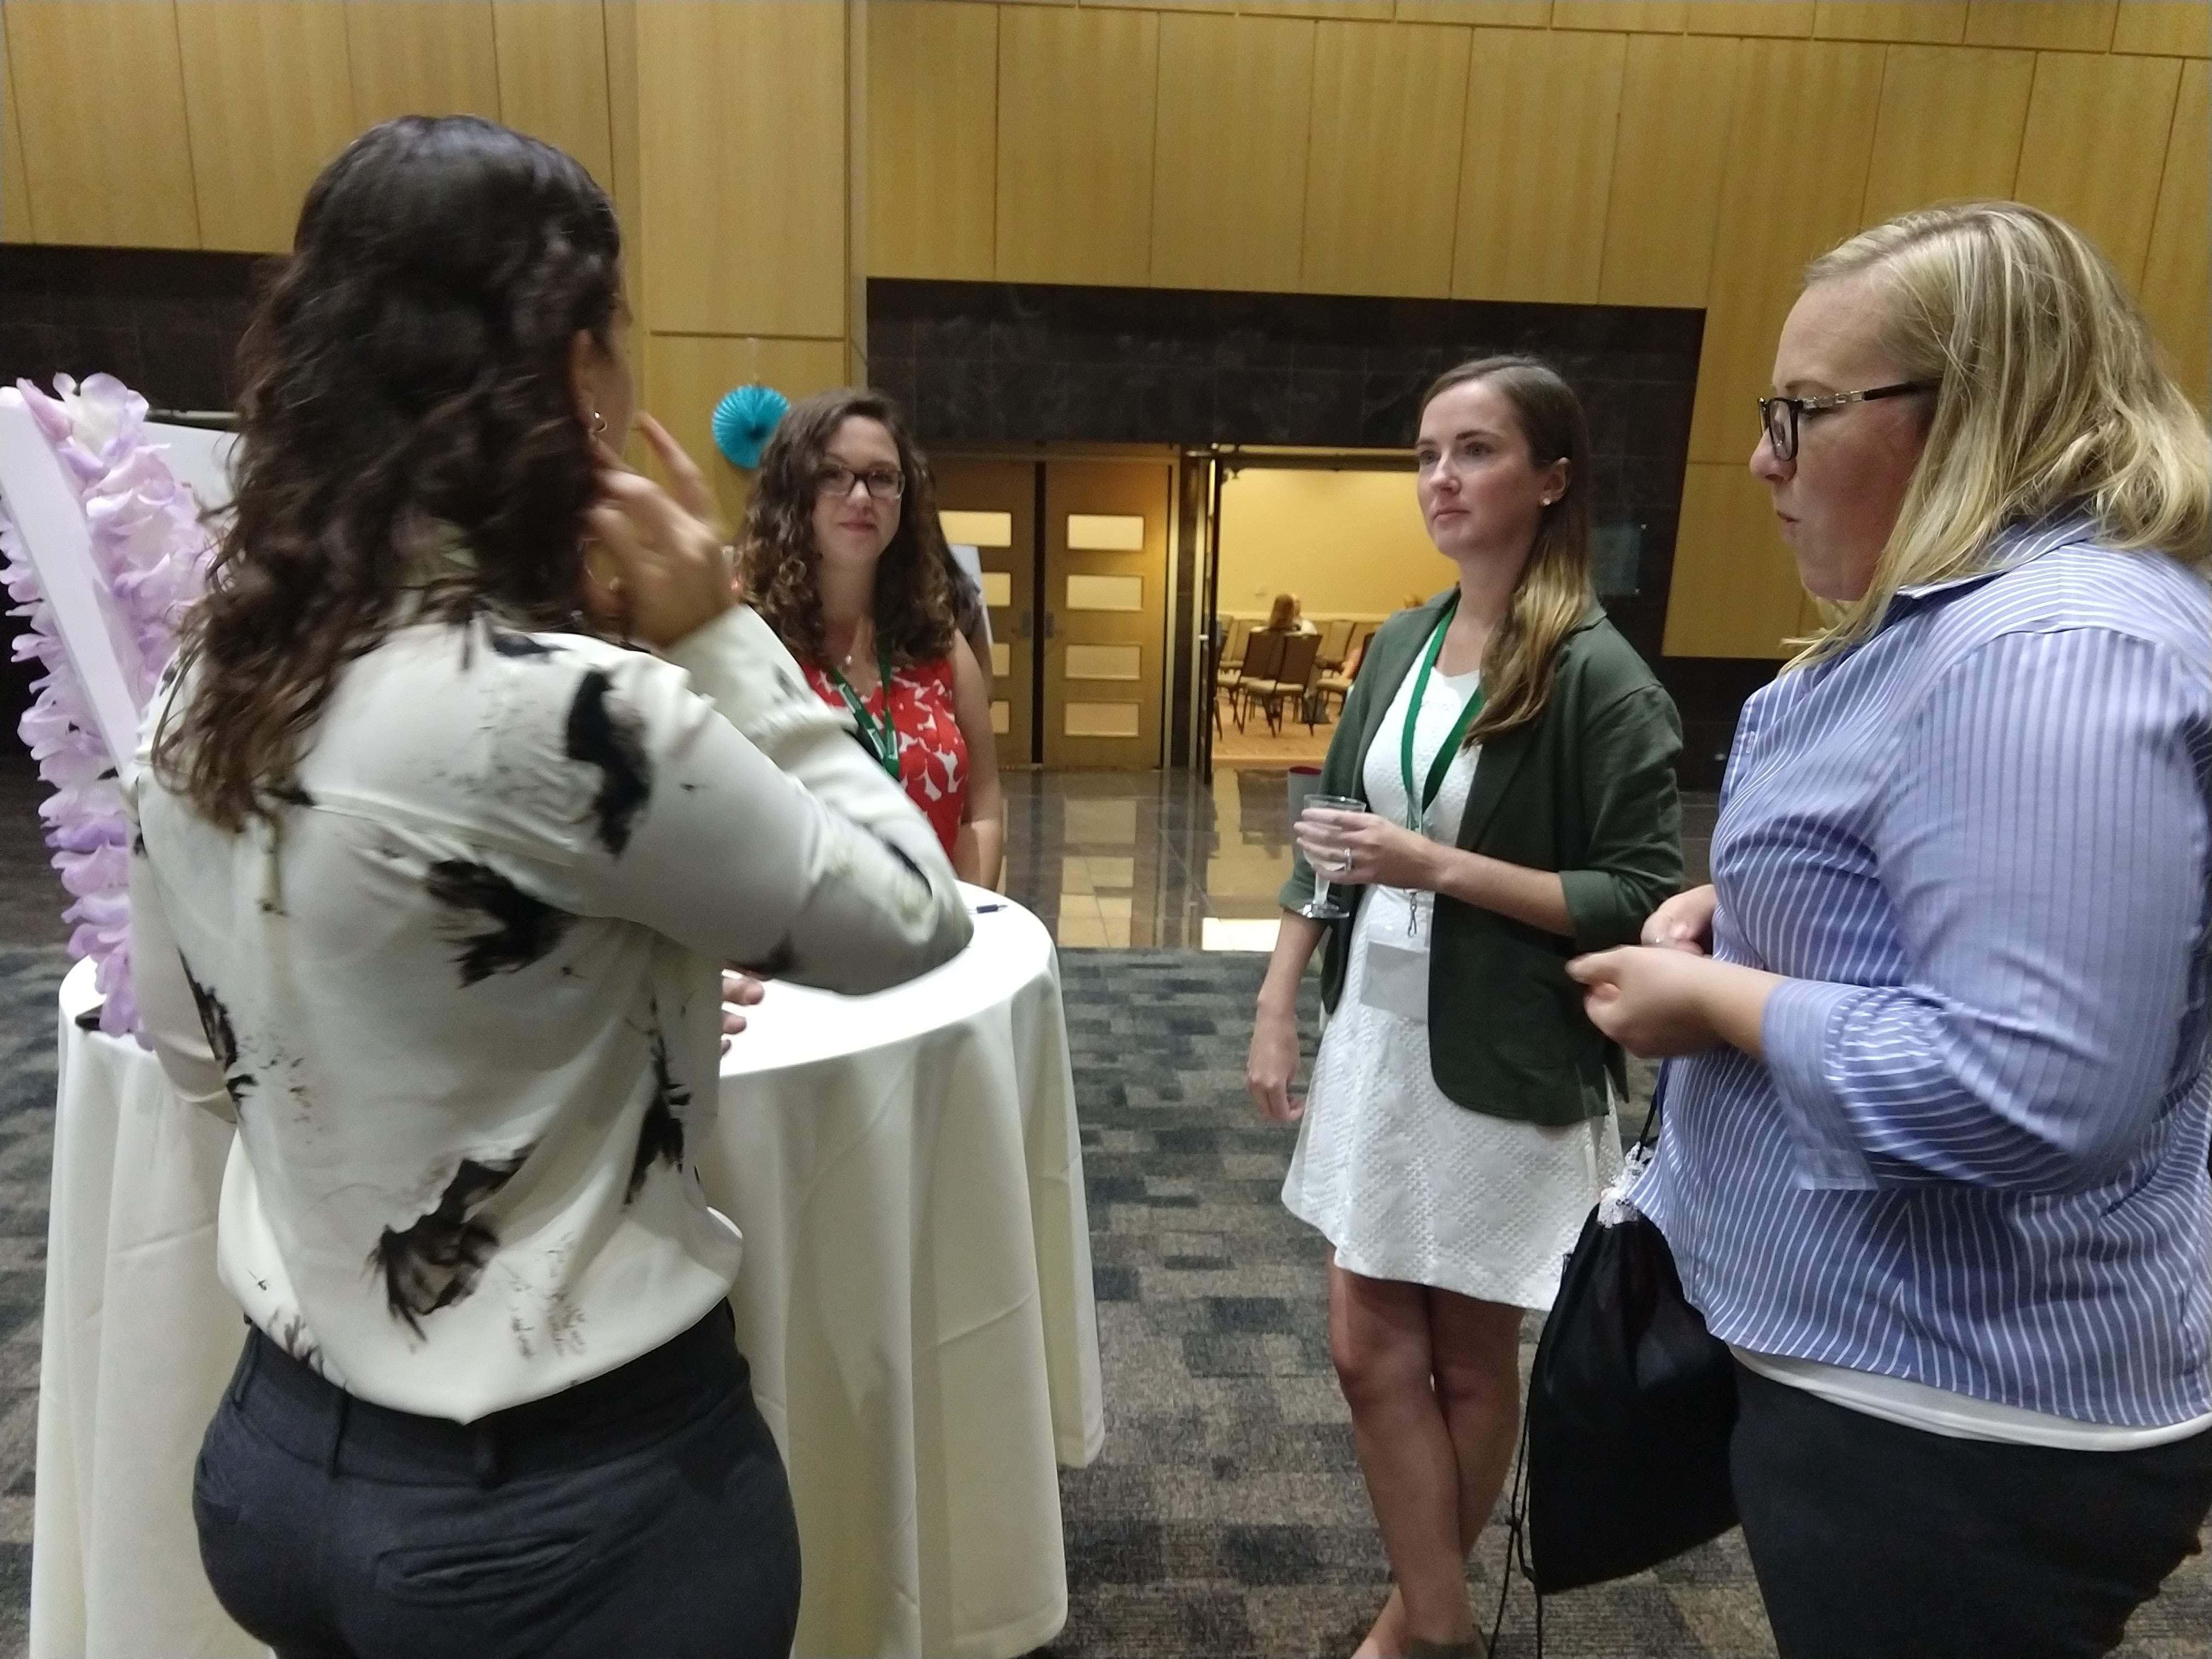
1322 906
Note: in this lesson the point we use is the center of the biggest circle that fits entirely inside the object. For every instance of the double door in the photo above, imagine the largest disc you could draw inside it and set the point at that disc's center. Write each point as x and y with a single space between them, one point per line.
1076 570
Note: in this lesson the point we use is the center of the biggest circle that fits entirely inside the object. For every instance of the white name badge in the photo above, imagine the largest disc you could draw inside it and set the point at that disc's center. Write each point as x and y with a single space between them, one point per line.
1397 977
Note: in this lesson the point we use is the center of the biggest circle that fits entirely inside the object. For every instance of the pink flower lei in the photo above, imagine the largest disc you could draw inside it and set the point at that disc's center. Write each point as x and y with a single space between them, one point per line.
153 553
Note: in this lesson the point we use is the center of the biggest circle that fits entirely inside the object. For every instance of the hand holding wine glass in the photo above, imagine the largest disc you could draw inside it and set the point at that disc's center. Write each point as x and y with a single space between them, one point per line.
1326 858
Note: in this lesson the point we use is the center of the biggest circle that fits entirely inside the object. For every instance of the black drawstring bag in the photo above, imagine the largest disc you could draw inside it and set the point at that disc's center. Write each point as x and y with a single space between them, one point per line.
1630 1405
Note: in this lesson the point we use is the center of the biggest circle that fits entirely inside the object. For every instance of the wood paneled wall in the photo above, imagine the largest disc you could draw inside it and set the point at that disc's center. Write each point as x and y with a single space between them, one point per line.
1237 103
1676 97
100 104
934 196
273 87
732 137
1078 92
15 181
1635 152
1382 164
749 225
742 138
233 105
2177 271
421 58
551 59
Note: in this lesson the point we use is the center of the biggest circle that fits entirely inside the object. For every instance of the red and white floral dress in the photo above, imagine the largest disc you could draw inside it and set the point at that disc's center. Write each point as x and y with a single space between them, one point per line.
933 755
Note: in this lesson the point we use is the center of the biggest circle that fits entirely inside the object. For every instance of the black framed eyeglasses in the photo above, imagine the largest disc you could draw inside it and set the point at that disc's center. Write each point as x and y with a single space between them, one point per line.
882 482
1780 416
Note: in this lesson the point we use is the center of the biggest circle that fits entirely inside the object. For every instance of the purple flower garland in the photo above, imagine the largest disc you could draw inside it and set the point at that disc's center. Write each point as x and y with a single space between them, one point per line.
153 553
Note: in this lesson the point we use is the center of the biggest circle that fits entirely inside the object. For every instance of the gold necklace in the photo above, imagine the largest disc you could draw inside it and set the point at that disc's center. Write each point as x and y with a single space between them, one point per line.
845 666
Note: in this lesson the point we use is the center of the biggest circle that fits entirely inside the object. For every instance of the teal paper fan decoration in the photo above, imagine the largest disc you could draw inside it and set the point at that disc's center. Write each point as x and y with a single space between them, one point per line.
743 421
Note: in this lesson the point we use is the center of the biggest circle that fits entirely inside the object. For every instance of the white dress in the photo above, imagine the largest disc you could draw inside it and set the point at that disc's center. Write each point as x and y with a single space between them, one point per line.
1405 1183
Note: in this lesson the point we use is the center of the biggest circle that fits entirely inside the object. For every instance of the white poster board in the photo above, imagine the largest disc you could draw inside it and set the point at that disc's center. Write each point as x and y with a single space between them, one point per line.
197 458
51 523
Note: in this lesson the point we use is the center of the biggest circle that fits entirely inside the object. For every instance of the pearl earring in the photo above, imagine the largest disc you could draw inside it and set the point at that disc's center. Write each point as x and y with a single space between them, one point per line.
599 424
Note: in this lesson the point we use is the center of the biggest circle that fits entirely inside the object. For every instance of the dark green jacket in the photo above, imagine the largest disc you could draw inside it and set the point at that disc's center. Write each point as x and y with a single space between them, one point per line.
1586 789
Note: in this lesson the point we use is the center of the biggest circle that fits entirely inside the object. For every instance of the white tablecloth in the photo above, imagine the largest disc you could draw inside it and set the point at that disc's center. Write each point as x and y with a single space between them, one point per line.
915 1301
115 1563
915 1298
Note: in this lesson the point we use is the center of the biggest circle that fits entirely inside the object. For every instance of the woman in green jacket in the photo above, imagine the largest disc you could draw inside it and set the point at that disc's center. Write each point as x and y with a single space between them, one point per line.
1518 761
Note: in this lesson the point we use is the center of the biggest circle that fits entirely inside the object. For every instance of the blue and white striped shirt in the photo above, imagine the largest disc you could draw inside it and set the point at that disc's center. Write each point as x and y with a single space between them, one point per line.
1979 847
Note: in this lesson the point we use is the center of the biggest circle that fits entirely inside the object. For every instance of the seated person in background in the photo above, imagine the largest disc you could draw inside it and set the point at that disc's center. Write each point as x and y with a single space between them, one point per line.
842 554
433 879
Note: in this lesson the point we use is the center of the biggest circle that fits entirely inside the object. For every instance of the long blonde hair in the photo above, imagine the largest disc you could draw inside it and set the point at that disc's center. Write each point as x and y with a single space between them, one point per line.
2053 394
1554 590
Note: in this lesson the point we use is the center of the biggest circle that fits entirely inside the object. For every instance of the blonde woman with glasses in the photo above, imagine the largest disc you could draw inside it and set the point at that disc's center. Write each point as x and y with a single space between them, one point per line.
1934 1164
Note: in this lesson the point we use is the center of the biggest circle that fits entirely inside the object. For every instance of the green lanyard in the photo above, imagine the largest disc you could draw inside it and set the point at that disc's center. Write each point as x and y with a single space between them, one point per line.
1417 816
882 739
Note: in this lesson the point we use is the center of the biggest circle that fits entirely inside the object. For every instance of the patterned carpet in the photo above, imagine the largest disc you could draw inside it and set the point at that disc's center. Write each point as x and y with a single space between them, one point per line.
1226 1517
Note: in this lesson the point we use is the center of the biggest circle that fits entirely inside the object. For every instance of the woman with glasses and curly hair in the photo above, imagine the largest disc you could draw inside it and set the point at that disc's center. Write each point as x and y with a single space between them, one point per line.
843 555
435 875
1933 1162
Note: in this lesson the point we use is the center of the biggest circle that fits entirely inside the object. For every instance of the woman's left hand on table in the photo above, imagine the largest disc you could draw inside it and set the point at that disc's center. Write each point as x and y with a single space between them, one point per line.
1361 849
739 990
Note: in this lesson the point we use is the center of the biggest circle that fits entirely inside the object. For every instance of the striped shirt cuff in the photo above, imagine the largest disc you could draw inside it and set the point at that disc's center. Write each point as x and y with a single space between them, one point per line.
1797 1031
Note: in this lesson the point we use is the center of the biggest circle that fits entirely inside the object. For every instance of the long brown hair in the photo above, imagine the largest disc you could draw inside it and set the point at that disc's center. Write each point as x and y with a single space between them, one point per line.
1554 590
914 607
406 385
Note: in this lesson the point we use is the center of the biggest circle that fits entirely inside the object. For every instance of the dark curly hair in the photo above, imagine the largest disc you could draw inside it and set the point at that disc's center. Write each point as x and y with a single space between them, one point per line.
405 379
918 610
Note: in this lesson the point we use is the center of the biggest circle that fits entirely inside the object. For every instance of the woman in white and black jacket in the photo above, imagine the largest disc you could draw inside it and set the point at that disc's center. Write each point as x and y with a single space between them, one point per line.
437 871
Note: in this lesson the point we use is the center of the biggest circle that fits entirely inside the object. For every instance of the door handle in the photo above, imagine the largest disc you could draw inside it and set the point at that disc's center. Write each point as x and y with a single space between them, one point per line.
1051 624
1022 625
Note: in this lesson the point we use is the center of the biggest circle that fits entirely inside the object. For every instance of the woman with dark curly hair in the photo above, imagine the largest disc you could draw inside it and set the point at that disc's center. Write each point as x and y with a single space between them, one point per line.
436 872
842 554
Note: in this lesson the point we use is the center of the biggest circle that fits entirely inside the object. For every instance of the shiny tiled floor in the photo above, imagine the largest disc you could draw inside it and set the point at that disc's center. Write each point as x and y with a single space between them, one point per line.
1172 860
1256 745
